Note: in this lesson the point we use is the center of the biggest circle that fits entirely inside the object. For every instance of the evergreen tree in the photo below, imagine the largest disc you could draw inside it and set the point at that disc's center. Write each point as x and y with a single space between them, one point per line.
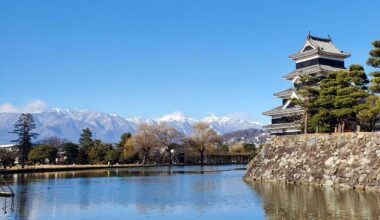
85 140
341 98
41 153
374 61
23 129
70 152
308 93
112 156
351 92
97 153
82 157
324 119
370 110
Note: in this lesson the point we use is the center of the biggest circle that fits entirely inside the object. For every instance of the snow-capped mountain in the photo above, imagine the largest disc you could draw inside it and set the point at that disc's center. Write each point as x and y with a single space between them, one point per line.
68 124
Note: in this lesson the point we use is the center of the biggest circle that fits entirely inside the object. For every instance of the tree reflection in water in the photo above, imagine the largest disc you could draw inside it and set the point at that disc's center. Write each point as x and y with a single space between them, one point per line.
157 192
289 201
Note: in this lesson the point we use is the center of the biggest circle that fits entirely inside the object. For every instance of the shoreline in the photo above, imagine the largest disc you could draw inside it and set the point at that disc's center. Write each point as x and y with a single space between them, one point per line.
360 188
62 168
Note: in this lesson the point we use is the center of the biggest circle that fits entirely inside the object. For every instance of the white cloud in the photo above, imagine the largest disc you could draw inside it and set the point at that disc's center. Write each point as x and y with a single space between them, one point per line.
34 106
8 107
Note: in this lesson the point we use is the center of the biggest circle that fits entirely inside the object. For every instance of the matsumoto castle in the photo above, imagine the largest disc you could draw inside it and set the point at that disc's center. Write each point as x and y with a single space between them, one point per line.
317 57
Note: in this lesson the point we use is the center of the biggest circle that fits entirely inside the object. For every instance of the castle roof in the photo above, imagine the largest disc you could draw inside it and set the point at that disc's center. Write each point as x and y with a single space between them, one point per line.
317 45
282 126
310 70
285 94
280 110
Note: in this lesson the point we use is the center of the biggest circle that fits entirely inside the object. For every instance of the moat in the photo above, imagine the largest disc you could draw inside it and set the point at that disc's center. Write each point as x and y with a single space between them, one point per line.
187 192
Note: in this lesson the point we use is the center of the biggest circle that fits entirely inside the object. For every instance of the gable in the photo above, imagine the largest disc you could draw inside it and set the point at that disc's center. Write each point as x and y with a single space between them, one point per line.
307 46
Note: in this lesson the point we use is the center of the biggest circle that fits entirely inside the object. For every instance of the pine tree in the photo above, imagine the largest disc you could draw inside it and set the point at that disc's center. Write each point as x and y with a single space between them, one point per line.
370 110
350 94
374 61
85 140
324 119
307 90
23 129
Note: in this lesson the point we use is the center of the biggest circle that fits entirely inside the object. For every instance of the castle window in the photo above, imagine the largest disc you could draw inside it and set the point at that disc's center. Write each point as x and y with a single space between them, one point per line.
320 61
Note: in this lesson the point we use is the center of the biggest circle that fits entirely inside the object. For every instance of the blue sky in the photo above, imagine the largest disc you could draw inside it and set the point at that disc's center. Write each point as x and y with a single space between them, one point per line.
149 58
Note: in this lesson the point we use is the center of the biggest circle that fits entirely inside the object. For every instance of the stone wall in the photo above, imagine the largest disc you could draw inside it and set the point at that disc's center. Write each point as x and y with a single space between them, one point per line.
347 160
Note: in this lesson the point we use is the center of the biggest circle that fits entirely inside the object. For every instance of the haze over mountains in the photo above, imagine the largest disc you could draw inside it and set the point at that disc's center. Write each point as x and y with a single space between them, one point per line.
68 124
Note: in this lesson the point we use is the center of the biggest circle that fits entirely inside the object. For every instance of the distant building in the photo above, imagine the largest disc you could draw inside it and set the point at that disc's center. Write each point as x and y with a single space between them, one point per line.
317 57
8 147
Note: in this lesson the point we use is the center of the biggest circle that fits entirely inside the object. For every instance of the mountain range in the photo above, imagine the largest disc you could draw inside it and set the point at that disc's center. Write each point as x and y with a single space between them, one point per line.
68 124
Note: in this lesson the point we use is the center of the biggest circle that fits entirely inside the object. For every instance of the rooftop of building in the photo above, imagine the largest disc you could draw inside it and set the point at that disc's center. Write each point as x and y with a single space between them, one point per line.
7 145
310 70
282 126
281 111
285 93
318 45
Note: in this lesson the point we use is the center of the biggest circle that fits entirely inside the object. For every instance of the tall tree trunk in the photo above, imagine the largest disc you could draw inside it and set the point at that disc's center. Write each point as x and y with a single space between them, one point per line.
170 158
144 160
202 157
22 157
372 123
317 129
305 129
343 125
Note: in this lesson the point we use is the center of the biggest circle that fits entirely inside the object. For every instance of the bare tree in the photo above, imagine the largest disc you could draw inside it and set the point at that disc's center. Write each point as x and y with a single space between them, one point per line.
168 138
203 137
55 142
7 157
144 141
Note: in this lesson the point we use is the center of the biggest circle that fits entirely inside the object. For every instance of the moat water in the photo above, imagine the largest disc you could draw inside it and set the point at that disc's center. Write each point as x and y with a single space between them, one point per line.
188 192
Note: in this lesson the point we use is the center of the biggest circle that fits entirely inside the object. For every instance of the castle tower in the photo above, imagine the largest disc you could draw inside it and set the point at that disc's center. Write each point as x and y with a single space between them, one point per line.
317 57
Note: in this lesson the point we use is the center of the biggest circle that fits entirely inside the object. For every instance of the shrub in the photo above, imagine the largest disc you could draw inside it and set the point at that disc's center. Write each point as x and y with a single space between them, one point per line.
70 152
41 153
112 156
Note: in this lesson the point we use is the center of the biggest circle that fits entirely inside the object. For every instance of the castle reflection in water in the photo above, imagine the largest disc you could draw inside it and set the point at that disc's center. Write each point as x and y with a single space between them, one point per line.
289 201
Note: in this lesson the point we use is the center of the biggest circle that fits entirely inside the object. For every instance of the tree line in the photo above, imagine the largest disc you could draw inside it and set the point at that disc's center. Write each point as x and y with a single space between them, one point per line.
150 144
346 100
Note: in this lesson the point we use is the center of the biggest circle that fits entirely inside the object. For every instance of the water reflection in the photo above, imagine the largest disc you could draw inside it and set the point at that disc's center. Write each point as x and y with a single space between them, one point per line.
288 201
149 193
179 193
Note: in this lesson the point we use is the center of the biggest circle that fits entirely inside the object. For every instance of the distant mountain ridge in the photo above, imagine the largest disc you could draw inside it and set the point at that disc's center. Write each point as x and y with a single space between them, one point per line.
68 124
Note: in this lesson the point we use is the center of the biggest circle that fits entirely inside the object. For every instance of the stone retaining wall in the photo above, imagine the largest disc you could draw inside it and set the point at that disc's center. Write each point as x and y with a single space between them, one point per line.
341 160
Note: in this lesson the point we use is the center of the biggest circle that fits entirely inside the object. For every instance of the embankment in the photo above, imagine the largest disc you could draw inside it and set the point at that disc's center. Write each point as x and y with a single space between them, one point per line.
347 160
